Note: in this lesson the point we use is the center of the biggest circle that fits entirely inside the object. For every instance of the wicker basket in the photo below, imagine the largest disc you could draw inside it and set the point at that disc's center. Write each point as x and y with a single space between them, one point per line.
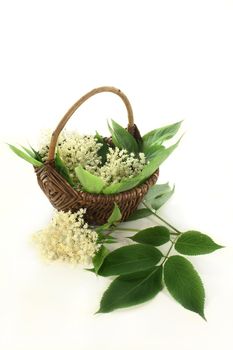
99 206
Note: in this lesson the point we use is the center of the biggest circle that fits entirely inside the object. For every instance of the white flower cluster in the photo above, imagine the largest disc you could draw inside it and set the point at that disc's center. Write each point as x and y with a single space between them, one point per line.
68 238
75 149
79 150
121 165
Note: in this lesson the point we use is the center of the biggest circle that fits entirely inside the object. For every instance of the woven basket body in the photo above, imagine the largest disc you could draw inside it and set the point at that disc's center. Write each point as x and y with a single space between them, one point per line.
99 206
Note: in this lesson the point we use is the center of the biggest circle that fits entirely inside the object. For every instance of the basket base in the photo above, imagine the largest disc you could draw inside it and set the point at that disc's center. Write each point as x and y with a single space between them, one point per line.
99 206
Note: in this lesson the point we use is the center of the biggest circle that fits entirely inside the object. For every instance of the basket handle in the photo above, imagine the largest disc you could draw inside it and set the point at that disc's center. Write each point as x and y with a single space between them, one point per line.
77 104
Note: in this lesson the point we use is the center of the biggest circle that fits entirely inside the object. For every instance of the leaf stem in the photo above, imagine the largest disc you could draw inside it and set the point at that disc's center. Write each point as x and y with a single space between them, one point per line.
169 251
177 232
123 229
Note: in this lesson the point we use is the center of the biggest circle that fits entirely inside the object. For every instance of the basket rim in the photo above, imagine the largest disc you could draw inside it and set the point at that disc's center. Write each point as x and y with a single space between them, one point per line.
150 181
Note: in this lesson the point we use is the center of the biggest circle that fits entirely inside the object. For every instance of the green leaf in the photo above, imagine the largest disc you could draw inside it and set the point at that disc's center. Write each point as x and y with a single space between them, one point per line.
122 186
157 136
33 153
62 169
161 200
148 170
156 191
184 284
128 259
37 154
122 138
115 217
90 182
25 156
139 214
114 139
156 236
99 257
152 151
103 151
132 289
158 195
110 240
195 243
29 151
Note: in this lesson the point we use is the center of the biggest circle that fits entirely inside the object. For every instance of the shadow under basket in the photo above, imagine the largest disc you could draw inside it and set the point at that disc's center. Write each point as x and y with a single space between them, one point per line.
99 206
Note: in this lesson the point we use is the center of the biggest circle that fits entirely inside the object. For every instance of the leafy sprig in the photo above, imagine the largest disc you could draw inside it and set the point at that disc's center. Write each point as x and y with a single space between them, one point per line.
142 270
151 145
28 155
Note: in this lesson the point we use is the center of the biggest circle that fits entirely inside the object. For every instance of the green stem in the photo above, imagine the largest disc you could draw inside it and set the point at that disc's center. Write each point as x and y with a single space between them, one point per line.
161 219
169 251
123 229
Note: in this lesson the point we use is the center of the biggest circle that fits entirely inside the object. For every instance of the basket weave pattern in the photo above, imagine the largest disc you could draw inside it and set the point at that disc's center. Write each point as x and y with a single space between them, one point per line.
99 206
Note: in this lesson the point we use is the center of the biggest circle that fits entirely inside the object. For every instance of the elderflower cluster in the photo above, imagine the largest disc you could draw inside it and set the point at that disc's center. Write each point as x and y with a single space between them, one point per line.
80 150
121 165
68 238
75 149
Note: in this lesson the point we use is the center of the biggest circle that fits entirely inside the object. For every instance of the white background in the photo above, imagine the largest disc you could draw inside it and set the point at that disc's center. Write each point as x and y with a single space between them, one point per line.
174 60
